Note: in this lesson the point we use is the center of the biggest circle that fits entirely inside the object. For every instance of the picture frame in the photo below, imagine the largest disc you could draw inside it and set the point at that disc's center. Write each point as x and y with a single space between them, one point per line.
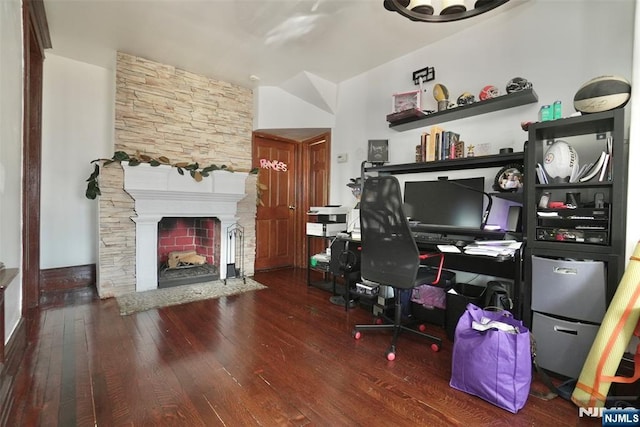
378 151
404 101
510 178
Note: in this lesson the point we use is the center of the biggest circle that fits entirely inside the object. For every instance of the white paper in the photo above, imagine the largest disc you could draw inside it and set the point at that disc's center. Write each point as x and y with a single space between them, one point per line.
449 248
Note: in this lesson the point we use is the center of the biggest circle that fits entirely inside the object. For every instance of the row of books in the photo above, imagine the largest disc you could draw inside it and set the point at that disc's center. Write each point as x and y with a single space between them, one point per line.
599 169
439 144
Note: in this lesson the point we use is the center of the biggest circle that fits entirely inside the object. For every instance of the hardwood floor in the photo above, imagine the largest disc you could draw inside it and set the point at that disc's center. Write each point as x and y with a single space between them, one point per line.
280 356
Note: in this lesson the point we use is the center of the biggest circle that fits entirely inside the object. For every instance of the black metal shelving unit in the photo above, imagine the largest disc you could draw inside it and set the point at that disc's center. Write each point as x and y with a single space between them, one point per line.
587 134
575 255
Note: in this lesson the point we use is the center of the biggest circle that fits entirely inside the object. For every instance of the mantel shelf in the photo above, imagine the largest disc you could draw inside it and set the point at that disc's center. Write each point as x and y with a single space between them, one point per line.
515 99
6 276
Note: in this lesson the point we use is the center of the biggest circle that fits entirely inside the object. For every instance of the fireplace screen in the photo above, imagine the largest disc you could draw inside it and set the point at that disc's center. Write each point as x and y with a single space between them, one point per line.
235 252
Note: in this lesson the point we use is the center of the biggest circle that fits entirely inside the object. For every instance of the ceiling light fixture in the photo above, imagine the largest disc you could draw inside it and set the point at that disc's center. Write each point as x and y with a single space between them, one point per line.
450 10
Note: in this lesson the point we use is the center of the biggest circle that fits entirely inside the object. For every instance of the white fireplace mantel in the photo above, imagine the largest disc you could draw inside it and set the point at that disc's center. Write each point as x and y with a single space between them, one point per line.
160 191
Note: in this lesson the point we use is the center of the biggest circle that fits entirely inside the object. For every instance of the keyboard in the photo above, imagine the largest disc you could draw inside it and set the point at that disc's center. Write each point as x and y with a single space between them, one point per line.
432 239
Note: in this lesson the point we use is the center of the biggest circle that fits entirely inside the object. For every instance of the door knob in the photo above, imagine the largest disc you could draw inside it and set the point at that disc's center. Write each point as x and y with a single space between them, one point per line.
291 207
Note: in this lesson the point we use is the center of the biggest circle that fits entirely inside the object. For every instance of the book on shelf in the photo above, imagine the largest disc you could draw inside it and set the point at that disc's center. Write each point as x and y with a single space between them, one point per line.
430 152
454 139
444 145
610 163
542 175
459 150
595 169
424 141
583 170
435 137
605 166
419 153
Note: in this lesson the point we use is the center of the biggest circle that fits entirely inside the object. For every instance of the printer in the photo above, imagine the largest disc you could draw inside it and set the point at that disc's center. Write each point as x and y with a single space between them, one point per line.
327 221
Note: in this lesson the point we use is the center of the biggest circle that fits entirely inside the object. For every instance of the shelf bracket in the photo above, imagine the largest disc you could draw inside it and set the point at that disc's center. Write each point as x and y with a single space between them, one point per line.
425 74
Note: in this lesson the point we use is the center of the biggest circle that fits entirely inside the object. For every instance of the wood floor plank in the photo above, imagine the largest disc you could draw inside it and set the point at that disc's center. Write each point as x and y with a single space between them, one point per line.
255 394
84 409
283 356
53 385
26 409
351 367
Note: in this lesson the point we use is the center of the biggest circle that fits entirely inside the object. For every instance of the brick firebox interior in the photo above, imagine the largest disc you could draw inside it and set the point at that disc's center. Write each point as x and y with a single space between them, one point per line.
189 234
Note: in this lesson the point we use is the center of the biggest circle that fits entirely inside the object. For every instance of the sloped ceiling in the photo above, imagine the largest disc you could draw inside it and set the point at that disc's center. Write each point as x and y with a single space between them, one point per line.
278 41
305 47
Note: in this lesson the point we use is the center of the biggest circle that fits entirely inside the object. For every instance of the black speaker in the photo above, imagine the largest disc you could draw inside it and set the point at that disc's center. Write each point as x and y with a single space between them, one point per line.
344 259
498 295
514 219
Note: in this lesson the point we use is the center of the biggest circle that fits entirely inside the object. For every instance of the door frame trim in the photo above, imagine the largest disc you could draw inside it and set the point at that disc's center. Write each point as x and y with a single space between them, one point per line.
35 40
301 180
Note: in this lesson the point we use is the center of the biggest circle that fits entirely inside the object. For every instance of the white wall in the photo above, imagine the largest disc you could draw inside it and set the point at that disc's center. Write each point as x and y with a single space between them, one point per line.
551 43
11 72
77 127
278 109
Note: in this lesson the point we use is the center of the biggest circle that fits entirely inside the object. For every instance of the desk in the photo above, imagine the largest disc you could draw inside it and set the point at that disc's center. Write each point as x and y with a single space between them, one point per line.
486 265
510 269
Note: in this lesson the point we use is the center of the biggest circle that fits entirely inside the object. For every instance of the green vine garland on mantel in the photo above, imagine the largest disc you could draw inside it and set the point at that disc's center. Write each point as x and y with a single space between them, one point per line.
194 169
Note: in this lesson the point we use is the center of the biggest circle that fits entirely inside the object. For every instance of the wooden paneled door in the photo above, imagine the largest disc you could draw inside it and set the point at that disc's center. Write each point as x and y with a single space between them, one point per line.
296 176
318 162
275 243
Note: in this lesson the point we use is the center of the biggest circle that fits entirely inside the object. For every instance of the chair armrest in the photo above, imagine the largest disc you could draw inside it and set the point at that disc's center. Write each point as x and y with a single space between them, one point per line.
440 264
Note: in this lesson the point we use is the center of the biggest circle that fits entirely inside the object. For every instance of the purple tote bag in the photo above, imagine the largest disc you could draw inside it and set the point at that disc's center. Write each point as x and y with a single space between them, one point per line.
493 364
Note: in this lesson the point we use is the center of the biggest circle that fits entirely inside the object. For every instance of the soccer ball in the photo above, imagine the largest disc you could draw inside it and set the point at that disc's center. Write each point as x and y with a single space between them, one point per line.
561 162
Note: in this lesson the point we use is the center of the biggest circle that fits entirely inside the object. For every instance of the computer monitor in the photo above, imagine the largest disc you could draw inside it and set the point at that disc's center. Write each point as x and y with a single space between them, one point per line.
445 202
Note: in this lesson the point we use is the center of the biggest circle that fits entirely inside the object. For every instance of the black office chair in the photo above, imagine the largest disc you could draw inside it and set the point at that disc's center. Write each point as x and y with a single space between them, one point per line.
390 255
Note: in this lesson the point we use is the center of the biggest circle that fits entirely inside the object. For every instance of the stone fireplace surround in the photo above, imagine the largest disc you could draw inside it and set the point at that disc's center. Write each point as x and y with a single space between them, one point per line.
161 110
161 192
